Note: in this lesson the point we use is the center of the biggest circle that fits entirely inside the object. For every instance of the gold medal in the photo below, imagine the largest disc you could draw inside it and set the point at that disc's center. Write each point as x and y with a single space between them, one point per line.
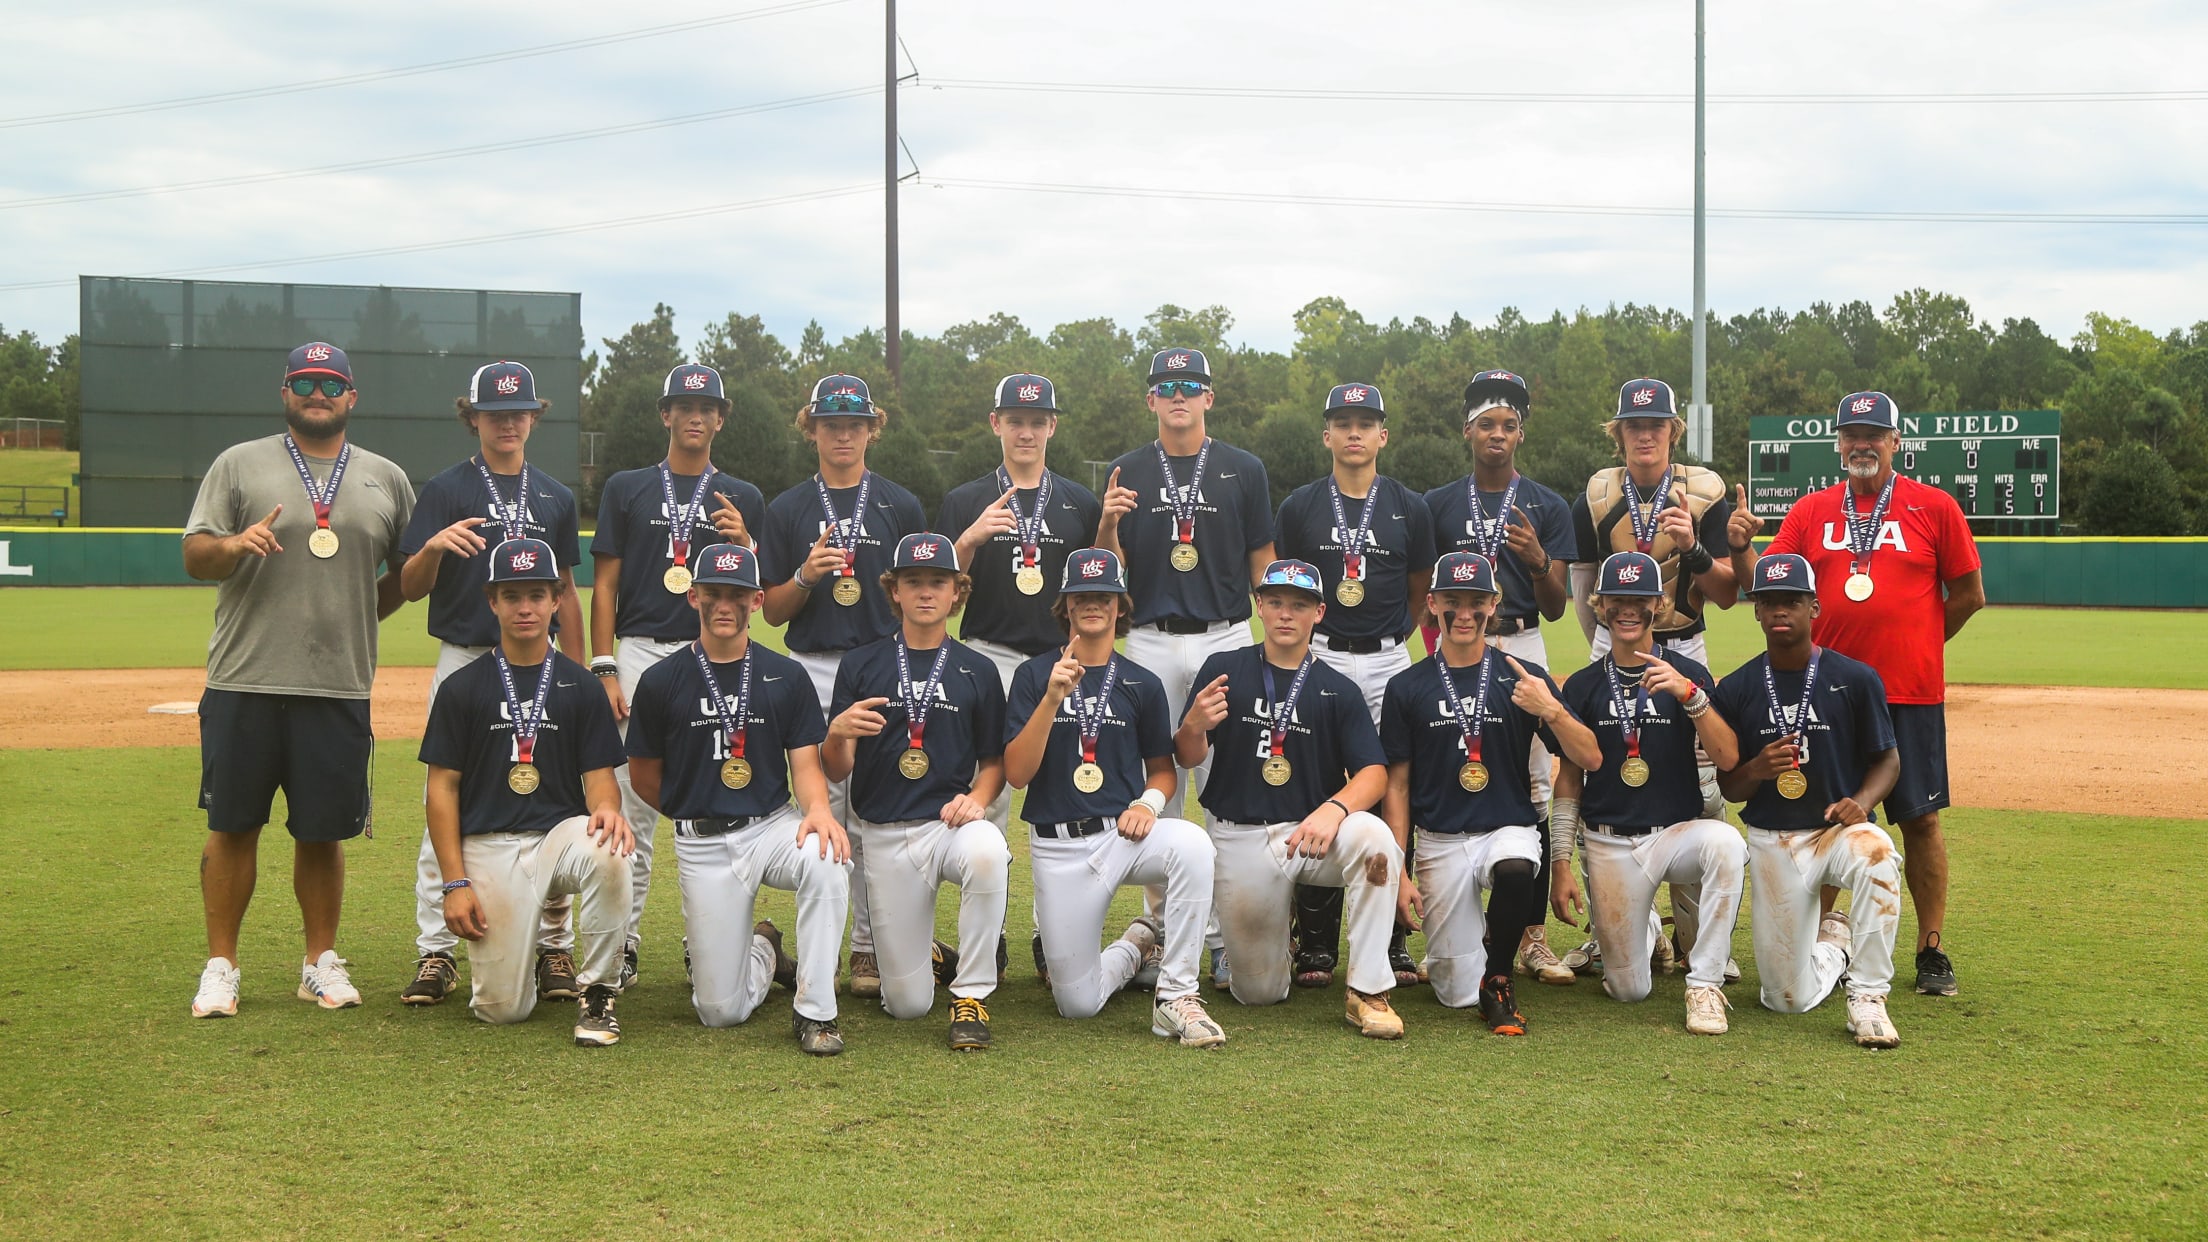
676 579
1860 586
1634 772
523 778
323 542
1276 770
1792 784
1473 776
736 772
1351 592
1029 579
846 591
1088 778
913 764
1184 556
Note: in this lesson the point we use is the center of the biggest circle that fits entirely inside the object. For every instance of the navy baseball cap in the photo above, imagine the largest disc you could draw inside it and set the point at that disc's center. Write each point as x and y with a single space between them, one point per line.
1180 364
842 394
1645 398
503 386
524 560
726 564
1630 573
1867 409
1783 572
1026 392
1464 571
693 379
925 550
1301 575
1356 397
1491 388
319 358
1091 570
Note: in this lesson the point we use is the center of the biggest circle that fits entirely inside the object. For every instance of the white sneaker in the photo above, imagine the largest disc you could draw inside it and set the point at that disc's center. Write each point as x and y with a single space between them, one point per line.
1706 1008
1537 959
218 990
1184 1016
1732 970
325 982
1867 1021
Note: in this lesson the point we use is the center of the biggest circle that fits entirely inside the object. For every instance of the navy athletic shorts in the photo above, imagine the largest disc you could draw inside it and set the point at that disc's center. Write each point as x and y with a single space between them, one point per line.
1920 730
316 750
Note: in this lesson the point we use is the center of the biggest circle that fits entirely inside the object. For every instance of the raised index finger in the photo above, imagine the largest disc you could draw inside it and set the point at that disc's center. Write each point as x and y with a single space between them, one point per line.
1515 666
1523 520
1114 480
270 520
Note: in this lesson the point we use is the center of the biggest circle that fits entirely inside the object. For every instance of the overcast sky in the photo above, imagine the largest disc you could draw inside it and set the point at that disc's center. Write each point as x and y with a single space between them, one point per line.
1050 257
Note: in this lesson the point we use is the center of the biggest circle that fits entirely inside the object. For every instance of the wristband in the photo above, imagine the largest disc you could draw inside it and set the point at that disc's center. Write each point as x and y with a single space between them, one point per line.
459 883
1152 799
1546 565
797 579
1698 702
1338 802
602 665
607 671
1563 829
1697 559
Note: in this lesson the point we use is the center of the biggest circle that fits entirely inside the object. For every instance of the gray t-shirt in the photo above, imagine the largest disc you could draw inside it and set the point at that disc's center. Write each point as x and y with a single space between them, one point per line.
291 623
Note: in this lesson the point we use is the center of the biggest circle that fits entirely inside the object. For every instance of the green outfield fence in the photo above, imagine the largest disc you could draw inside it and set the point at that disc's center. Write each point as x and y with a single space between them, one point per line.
2060 572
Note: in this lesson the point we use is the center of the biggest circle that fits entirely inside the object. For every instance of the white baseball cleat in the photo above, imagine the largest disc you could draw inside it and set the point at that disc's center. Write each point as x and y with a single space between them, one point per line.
1584 960
1184 1017
1867 1021
218 990
1732 970
1147 935
1706 1008
1538 960
325 982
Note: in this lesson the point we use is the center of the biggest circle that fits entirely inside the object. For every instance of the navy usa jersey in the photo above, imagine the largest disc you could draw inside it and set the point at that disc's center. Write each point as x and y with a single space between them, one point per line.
965 725
672 719
1137 726
1848 729
1400 544
635 526
1234 517
458 612
795 521
997 611
471 731
1673 793
1458 529
1330 738
1417 727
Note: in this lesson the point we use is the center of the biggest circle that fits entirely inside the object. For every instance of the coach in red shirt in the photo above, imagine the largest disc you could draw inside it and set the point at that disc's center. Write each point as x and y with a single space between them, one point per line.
1897 576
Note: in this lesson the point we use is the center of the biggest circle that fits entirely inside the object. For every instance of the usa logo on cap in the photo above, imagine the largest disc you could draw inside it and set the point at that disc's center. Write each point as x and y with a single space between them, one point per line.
508 385
1778 571
1177 362
728 562
318 353
923 551
1646 396
1092 568
693 381
1629 572
1031 392
1465 571
1862 405
1353 394
523 559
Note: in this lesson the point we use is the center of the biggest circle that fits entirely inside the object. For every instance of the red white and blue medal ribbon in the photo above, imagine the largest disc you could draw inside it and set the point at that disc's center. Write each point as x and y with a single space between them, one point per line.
1644 534
1183 501
1476 720
512 519
682 522
1354 541
837 539
525 725
324 495
732 713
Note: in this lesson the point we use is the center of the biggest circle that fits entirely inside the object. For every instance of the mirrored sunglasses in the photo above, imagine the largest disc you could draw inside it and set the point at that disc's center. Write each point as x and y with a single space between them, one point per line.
331 386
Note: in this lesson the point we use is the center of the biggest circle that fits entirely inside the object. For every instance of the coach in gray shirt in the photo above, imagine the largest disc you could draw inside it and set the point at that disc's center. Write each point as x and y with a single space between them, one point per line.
294 527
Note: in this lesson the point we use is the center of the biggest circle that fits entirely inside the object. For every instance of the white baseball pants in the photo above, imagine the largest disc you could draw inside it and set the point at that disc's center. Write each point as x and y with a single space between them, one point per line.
1008 662
1788 869
1074 883
821 666
511 874
1702 858
1369 671
730 968
633 658
1454 870
905 864
432 936
1253 894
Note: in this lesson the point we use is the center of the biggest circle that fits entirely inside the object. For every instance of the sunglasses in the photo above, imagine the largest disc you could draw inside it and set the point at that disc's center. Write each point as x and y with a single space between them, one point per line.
1179 388
305 386
842 403
1293 578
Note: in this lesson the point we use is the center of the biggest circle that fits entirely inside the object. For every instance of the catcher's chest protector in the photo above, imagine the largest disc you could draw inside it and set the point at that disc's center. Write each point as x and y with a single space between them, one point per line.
1694 487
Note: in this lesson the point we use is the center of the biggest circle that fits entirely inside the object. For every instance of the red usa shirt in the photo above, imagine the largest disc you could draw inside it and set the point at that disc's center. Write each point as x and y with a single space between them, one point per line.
1902 629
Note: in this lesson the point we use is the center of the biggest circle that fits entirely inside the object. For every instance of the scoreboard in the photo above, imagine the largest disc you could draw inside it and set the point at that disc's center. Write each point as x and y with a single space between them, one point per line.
2002 467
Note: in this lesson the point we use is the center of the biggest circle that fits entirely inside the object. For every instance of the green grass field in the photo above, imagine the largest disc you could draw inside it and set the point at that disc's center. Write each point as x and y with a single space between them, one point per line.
41 468
167 627
2050 1099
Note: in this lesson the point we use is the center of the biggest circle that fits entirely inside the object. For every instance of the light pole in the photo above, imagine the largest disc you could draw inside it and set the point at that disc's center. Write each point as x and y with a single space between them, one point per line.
893 332
1700 438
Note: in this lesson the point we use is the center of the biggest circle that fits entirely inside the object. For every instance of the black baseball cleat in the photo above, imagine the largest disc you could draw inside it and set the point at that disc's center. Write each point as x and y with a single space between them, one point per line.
785 966
1407 973
594 1023
628 969
1314 967
1042 966
944 959
434 978
1499 1007
969 1025
556 975
815 1036
1935 974
1004 955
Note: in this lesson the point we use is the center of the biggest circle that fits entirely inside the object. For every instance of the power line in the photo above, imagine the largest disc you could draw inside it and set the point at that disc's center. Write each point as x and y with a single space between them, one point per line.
446 153
1560 97
407 71
589 226
1574 209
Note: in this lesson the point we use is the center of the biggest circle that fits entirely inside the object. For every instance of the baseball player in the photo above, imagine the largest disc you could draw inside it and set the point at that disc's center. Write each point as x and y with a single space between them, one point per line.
1193 518
1014 527
1899 578
1458 732
918 730
1089 735
491 497
1373 542
1817 750
1288 800
650 521
721 735
1642 807
523 804
829 541
1524 531
291 661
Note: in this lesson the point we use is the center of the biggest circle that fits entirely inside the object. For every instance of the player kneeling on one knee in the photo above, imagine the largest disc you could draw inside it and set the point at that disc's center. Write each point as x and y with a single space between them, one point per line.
1295 763
719 734
1642 805
523 805
1458 732
919 732
1817 751
1089 736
